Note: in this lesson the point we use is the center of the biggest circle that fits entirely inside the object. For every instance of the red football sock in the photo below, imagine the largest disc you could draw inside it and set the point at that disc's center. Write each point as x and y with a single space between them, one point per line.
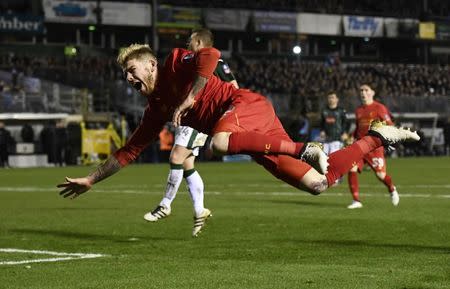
252 142
353 185
388 182
343 160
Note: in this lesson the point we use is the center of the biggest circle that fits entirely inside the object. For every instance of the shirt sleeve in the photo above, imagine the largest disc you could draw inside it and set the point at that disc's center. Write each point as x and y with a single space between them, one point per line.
385 115
206 61
147 131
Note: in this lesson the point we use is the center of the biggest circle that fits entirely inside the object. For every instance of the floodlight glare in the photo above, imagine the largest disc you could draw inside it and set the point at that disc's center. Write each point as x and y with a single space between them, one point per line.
297 49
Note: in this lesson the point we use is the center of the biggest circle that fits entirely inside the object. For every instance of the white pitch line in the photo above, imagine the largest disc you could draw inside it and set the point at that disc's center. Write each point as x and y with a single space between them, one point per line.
64 256
248 185
299 193
144 191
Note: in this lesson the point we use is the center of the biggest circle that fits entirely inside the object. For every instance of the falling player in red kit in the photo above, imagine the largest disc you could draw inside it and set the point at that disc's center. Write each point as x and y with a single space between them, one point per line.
185 91
369 111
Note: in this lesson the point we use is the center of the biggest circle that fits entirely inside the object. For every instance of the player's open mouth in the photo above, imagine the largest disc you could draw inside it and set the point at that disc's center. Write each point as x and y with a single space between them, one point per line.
137 85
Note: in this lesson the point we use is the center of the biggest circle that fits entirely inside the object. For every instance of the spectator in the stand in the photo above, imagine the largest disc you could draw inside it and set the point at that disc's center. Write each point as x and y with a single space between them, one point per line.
5 95
48 142
73 149
27 133
60 143
447 137
304 127
5 142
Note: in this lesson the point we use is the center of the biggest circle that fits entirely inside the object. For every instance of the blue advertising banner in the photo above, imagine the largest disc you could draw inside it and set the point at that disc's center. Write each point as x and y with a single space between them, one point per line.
64 11
363 26
21 23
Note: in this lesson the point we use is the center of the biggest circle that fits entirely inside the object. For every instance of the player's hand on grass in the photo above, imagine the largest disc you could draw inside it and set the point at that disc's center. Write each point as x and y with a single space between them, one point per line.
74 187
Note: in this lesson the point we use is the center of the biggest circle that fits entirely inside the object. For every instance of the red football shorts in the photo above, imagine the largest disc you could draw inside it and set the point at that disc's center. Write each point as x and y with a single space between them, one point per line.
253 112
375 159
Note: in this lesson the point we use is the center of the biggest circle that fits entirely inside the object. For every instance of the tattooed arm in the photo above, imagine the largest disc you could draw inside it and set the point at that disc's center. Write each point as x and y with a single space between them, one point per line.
108 168
187 104
74 187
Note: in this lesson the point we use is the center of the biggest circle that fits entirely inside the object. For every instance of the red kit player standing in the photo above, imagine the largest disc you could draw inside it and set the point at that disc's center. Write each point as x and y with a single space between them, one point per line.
185 91
369 111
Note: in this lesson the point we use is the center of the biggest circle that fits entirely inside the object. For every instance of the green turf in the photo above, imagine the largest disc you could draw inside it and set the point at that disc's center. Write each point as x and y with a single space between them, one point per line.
263 234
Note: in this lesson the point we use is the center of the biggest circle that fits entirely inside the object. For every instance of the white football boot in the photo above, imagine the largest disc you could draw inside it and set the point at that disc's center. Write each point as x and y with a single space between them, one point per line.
390 134
313 154
200 221
355 205
159 212
395 198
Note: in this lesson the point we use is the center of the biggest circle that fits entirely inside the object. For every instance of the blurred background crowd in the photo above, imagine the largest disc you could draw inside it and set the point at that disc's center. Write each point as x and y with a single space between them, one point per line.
67 65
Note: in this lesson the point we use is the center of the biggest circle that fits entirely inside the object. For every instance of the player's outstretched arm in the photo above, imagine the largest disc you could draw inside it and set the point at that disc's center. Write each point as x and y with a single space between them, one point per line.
74 187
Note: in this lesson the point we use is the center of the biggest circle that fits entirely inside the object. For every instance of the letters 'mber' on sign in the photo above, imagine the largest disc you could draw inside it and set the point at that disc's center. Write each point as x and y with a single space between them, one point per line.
21 23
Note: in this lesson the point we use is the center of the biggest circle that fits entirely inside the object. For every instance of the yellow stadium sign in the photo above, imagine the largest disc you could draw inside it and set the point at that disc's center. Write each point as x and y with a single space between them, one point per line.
96 144
427 30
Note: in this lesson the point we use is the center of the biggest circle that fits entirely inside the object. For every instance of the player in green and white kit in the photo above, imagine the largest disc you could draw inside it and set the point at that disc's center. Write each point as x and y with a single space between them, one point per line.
186 148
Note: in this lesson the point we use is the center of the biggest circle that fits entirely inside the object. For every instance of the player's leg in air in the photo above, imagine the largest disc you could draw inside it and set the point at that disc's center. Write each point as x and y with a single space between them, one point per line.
182 158
331 147
258 132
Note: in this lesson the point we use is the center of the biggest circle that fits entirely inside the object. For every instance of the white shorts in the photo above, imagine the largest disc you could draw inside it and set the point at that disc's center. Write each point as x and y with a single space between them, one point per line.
331 147
189 138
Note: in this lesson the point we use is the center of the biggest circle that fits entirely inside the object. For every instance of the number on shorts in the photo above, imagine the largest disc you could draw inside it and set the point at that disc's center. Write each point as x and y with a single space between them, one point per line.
377 162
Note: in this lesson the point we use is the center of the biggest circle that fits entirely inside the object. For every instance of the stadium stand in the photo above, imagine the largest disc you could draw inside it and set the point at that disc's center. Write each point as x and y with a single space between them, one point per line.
410 74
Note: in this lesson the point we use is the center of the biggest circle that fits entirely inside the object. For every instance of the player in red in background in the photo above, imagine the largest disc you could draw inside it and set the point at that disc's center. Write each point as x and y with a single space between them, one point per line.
369 111
185 90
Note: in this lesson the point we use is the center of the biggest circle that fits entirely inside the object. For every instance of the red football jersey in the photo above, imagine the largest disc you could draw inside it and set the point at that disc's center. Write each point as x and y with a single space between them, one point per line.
174 81
365 114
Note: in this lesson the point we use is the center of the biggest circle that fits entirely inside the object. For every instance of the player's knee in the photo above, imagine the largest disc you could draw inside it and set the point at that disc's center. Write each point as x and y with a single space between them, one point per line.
219 142
314 185
317 190
188 163
176 157
179 154
312 191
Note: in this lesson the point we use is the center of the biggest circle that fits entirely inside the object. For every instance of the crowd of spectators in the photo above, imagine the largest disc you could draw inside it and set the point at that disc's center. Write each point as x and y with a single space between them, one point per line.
313 80
297 85
84 71
279 76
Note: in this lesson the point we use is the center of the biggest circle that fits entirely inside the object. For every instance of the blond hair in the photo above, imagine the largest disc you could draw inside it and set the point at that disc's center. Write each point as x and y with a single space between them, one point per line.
134 51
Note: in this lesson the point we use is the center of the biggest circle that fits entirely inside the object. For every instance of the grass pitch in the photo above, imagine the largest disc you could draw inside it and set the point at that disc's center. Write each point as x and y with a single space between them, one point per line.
263 233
